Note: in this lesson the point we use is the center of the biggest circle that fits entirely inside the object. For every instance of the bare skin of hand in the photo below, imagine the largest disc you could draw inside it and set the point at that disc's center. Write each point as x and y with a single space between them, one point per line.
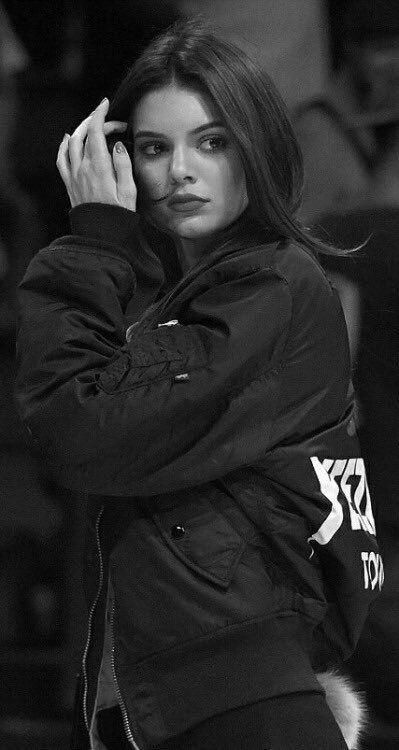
89 172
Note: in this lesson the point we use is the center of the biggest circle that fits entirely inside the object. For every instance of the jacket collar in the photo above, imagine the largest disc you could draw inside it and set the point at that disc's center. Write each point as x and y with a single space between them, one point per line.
244 232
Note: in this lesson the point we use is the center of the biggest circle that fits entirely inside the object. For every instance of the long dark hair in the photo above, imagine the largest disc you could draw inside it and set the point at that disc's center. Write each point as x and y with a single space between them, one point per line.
189 53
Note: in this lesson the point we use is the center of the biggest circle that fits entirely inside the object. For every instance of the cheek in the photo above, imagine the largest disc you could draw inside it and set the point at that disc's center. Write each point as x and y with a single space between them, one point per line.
148 179
234 181
237 173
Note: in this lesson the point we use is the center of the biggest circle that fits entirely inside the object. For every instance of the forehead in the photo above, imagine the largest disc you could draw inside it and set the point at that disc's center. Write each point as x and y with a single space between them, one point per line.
173 108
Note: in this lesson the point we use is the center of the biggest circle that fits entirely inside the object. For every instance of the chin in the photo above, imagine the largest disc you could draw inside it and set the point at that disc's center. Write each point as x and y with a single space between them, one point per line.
194 227
188 233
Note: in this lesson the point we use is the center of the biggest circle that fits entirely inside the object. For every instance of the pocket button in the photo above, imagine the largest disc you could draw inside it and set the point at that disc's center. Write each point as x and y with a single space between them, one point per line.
178 531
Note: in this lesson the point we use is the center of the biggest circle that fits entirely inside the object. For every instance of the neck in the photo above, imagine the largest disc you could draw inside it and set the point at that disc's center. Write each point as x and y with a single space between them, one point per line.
178 254
190 251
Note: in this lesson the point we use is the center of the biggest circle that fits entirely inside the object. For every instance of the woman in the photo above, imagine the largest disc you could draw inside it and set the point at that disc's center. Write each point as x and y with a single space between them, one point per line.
183 363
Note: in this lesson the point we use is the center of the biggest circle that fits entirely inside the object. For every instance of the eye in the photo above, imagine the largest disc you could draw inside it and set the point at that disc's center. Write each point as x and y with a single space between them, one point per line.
214 143
152 149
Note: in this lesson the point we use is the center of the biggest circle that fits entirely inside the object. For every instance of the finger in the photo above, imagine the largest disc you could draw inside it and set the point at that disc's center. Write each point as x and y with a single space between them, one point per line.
76 144
79 136
96 144
62 162
112 126
79 139
126 188
80 133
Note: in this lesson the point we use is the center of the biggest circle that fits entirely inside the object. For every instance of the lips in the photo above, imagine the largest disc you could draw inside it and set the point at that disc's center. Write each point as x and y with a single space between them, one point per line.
185 199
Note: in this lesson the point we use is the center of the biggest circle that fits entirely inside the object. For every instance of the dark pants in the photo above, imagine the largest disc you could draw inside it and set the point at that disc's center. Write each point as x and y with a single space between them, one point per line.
300 721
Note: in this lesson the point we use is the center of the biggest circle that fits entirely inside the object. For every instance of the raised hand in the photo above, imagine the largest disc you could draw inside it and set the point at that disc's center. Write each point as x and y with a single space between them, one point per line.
89 172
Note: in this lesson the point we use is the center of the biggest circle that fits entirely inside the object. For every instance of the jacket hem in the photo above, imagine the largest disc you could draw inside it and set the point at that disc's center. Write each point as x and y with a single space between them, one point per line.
272 655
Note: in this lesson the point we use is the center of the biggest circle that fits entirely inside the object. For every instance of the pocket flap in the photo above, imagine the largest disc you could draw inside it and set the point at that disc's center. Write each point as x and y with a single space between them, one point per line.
203 539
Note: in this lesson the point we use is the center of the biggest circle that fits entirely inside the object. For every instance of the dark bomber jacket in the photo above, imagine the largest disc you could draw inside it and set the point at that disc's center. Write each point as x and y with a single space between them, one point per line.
212 435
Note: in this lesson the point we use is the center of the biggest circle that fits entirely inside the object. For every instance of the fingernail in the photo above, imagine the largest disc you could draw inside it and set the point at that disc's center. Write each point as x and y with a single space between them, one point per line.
119 147
104 100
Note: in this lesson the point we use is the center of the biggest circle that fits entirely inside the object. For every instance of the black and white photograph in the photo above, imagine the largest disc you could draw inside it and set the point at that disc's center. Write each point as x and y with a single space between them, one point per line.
199 375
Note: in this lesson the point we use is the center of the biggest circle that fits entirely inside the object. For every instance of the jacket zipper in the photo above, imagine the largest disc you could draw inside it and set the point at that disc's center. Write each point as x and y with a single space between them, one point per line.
90 620
125 717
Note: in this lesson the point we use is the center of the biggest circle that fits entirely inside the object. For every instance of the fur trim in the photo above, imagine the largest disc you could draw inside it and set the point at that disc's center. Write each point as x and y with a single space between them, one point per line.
347 705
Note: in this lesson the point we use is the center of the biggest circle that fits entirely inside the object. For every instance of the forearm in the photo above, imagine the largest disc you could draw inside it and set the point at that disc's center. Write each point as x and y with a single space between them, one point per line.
73 298
112 416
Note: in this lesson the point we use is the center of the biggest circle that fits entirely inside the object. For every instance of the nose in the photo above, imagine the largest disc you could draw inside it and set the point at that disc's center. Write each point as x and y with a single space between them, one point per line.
181 166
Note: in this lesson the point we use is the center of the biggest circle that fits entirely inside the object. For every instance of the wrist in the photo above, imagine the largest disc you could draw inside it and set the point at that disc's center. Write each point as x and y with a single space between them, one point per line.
118 228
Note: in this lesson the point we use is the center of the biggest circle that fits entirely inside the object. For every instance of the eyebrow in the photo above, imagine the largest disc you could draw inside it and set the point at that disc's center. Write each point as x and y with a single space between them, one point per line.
207 126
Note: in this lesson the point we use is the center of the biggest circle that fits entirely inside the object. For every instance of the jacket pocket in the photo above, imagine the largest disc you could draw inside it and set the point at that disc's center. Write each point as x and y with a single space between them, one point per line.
203 539
152 355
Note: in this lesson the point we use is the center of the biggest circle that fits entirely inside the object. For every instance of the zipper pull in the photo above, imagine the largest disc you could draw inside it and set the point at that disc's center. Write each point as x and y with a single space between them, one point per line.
169 323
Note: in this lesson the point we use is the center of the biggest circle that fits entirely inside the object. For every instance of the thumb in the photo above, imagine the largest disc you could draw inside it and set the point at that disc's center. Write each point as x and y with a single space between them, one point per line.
125 186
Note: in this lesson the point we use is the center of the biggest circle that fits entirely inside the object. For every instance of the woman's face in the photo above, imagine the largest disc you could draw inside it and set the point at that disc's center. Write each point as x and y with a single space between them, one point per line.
181 147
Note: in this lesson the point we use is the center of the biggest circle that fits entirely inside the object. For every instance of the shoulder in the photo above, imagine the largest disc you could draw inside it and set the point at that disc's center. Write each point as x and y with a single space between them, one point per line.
299 264
285 263
286 267
289 260
306 282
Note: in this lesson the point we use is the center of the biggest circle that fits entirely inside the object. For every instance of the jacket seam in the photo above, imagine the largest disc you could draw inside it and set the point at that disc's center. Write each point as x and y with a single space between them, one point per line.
89 251
170 376
86 245
216 633
212 270
231 394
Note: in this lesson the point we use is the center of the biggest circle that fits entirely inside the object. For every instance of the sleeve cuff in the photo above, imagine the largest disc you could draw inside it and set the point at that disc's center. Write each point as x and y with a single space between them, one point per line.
119 229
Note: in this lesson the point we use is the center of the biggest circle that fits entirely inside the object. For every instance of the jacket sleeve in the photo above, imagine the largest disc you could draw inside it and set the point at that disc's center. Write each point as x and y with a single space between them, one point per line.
173 407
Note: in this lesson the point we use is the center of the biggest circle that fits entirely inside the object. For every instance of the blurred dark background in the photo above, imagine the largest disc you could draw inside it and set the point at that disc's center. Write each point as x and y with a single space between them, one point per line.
337 65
